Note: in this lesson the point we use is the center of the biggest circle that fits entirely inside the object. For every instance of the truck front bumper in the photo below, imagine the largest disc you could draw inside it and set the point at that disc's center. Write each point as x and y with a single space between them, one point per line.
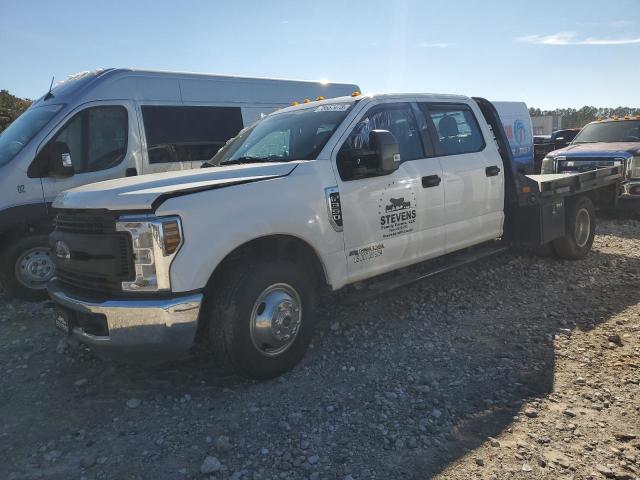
129 328
631 189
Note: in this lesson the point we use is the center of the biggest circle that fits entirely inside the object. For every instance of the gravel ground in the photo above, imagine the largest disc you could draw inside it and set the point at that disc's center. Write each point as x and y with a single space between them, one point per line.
516 367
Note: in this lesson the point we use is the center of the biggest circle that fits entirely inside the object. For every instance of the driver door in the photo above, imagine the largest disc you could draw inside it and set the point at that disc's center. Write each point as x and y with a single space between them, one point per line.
103 143
382 215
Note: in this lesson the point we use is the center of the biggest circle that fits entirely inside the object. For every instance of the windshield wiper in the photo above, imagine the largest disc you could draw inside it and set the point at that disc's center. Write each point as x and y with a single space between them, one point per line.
271 158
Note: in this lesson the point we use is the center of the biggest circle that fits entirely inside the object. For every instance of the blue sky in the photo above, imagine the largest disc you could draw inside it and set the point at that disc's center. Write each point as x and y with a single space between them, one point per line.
547 53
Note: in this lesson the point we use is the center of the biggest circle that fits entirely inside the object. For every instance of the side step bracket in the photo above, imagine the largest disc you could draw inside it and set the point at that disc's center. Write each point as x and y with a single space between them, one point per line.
406 276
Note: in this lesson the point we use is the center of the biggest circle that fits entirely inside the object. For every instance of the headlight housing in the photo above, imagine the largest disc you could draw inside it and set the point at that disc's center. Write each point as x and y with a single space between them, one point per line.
156 241
633 167
547 165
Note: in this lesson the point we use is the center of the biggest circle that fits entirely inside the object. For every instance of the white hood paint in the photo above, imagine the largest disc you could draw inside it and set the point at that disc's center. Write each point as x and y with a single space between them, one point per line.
139 193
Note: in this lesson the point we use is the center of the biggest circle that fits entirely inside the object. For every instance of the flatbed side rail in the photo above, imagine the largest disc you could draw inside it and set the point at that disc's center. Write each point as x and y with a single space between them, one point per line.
573 183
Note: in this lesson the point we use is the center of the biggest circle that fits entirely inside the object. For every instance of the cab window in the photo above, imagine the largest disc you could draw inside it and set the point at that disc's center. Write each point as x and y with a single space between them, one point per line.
397 119
456 130
96 137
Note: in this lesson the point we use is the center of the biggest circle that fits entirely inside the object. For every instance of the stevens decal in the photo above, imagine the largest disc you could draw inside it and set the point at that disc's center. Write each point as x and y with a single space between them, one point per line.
366 253
397 213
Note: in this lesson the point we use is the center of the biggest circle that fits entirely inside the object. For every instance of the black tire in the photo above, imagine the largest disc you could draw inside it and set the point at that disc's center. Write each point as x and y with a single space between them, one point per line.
579 236
230 308
11 256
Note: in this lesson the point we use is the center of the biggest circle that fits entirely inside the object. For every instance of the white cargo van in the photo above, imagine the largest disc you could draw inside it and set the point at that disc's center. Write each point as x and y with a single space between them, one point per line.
116 123
517 125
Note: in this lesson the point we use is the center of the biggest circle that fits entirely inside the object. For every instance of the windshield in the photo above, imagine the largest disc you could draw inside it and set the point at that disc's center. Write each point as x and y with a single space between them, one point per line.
23 129
296 135
620 131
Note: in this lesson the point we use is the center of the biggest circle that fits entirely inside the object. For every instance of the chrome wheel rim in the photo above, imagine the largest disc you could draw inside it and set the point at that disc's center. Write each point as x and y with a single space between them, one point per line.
276 318
583 227
34 268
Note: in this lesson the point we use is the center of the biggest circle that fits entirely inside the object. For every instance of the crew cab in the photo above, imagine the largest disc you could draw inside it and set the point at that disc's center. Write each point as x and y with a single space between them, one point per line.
316 197
603 143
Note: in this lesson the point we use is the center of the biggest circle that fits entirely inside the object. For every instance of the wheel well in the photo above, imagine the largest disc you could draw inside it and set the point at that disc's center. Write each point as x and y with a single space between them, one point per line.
21 230
275 246
272 246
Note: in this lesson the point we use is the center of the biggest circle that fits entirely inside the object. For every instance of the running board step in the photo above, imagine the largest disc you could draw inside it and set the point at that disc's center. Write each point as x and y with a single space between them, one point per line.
406 276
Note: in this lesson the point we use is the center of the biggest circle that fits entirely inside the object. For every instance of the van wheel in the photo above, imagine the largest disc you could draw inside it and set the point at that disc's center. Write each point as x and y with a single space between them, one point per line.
580 230
261 317
26 267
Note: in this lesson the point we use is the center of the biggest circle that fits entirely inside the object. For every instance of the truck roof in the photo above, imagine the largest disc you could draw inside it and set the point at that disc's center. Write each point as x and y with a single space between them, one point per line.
616 119
356 96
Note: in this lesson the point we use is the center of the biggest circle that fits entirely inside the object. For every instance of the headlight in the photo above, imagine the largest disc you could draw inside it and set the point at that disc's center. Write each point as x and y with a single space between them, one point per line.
155 243
547 165
633 167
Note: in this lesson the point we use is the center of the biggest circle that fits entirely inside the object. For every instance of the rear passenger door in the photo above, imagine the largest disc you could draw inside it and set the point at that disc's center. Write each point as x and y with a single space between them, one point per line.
472 175
182 137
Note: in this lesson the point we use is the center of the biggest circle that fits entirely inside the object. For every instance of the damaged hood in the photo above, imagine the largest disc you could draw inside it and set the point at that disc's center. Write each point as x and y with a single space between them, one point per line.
146 192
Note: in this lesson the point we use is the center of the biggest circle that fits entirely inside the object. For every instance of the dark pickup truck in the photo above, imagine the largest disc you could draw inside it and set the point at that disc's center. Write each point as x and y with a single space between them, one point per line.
545 144
603 143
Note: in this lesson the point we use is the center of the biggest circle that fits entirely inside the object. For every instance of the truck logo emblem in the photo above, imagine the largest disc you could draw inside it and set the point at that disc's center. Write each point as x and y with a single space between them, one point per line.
62 251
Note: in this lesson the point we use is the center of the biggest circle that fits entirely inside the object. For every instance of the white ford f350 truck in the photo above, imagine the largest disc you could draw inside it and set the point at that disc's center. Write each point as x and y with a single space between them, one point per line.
313 197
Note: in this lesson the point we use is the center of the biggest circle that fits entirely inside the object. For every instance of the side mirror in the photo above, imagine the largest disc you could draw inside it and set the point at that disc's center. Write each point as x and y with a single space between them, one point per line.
384 144
559 142
382 157
54 160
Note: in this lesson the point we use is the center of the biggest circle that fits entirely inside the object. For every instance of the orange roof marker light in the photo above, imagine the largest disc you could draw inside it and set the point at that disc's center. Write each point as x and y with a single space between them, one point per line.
319 98
306 100
356 94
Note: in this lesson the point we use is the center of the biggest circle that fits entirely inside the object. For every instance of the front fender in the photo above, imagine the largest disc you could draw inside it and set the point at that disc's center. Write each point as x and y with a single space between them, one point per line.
216 222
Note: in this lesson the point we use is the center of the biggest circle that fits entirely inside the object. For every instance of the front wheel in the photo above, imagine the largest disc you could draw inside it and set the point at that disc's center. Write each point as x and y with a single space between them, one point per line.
26 267
580 230
261 317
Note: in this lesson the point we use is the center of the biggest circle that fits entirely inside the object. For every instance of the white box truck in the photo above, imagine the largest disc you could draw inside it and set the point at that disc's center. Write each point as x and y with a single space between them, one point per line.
117 123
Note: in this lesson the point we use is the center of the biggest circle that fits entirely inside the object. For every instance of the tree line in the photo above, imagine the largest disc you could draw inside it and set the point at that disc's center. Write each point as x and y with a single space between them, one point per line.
578 118
11 107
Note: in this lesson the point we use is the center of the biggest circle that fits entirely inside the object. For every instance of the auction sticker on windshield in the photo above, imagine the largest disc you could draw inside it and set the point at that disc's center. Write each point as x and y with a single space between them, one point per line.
333 107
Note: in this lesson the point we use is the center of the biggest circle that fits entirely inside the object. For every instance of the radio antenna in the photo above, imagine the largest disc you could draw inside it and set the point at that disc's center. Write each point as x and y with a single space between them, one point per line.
50 93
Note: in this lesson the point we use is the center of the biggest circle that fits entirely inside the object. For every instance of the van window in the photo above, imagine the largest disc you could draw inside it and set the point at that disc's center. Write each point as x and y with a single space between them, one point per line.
186 134
397 119
23 129
456 128
96 137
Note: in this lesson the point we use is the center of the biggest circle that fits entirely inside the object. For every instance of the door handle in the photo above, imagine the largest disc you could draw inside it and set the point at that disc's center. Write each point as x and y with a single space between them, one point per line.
131 172
431 181
492 171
